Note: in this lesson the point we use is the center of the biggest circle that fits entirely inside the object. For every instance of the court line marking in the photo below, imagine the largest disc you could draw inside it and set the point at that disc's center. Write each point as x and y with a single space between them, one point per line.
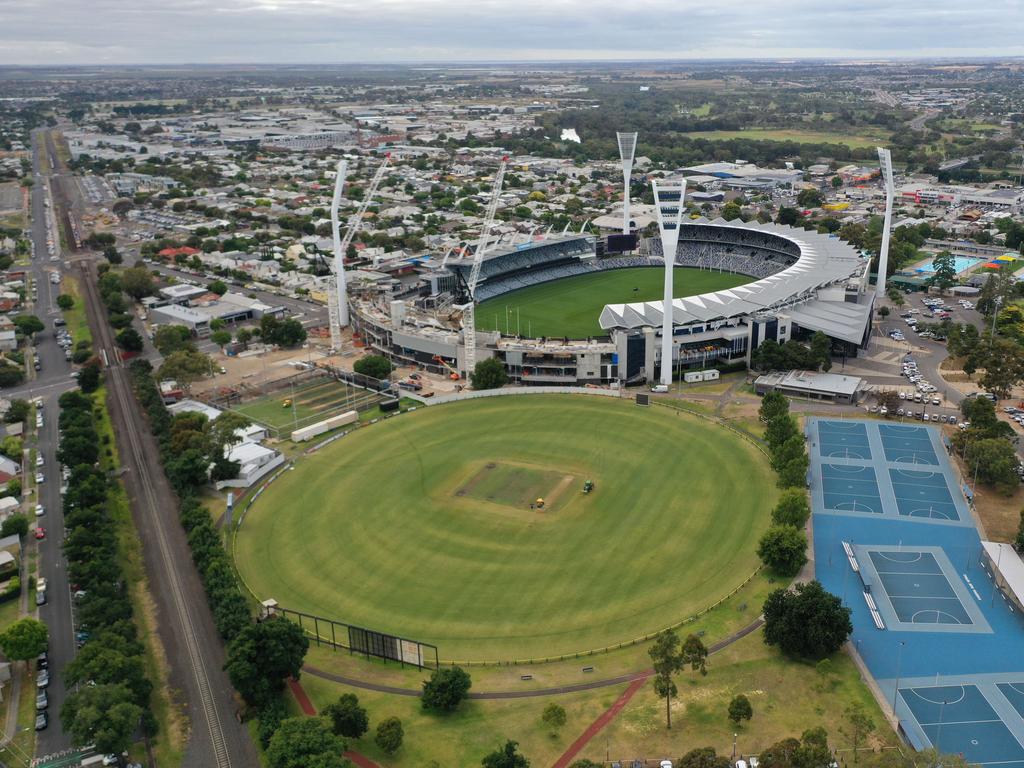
918 556
938 615
963 695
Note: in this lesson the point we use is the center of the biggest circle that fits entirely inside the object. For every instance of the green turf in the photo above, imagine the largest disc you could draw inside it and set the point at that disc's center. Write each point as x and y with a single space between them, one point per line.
571 307
870 137
515 485
310 403
369 529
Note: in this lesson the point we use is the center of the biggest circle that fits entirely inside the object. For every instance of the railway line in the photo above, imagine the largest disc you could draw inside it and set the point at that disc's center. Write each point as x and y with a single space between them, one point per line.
194 648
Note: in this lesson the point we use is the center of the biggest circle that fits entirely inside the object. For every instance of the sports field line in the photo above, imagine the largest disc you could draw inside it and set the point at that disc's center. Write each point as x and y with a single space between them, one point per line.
925 597
944 723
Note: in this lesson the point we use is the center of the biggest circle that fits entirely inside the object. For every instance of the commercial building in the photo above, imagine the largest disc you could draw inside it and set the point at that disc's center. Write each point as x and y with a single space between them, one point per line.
813 386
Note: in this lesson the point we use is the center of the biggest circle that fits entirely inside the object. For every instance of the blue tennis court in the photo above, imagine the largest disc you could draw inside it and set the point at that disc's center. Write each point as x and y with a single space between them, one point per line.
911 445
841 439
850 488
918 589
958 719
922 494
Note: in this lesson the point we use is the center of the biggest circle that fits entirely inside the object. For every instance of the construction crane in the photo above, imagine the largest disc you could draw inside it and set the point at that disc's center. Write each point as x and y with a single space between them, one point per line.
337 297
469 314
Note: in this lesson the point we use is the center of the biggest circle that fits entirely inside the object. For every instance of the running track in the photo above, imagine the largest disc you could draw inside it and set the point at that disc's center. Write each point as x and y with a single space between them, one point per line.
309 710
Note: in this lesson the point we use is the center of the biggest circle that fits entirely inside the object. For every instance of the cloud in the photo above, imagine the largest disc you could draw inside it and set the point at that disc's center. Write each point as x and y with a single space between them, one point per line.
333 31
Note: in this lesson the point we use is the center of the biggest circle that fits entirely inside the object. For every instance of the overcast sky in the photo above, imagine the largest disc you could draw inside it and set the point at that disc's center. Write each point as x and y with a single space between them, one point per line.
330 31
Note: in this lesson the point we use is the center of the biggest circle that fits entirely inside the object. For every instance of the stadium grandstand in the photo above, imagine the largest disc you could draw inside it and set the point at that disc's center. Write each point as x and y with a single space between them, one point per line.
803 282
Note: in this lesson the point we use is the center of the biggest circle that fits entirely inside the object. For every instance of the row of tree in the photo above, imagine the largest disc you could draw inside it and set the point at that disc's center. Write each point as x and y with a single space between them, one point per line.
110 698
794 355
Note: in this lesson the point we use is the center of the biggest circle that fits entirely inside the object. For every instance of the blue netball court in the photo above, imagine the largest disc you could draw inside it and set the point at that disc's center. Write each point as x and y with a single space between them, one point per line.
895 538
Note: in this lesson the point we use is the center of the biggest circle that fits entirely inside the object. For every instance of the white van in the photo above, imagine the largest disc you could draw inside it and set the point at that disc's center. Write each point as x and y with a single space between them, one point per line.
659 388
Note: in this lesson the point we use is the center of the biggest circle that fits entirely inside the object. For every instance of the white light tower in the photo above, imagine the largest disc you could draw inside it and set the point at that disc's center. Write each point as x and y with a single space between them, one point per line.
885 162
668 199
337 298
627 148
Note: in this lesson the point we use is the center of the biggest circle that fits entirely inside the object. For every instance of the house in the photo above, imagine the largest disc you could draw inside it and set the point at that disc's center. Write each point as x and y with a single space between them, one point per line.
8 506
8 341
8 469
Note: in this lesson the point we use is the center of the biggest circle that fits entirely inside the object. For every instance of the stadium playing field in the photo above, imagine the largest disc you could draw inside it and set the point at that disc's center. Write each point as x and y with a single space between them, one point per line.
571 307
303 404
421 525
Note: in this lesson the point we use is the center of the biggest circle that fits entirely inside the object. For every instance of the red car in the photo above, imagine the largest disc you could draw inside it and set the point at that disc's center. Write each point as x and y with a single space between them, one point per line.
40 533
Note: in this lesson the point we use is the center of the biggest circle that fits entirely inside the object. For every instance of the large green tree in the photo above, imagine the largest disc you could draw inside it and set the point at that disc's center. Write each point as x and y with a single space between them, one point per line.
944 276
102 715
374 366
306 742
488 374
783 549
791 508
446 689
24 639
262 656
347 717
773 405
806 621
667 659
506 756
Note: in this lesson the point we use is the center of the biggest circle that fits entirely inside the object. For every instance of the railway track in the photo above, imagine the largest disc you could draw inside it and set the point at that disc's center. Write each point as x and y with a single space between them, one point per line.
152 501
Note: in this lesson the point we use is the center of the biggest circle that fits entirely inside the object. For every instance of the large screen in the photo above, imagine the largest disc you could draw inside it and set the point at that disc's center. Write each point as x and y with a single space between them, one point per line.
622 243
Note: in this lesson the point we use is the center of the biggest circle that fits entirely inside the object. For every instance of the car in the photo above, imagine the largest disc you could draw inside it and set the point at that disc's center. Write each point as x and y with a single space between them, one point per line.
874 409
900 411
43 680
40 583
40 478
40 510
40 461
42 701
110 759
936 401
40 532
926 418
903 395
41 597
42 721
42 661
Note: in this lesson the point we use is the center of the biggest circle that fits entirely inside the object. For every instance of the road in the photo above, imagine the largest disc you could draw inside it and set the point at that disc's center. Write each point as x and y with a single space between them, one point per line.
53 379
193 647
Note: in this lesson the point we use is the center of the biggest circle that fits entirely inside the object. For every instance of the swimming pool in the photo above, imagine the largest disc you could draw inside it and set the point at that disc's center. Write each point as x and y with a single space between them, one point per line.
960 263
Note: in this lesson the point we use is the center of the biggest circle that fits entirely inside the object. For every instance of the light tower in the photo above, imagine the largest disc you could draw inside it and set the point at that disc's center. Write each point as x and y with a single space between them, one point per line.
627 147
668 199
337 298
885 162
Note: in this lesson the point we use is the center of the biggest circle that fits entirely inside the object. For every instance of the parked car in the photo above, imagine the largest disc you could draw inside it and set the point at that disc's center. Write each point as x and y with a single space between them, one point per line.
43 680
42 721
42 701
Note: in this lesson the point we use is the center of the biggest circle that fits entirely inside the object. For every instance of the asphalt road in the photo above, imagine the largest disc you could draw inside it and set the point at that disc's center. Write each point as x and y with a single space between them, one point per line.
53 379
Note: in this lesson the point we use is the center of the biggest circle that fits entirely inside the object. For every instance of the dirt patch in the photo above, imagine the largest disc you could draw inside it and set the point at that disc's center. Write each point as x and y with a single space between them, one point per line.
556 493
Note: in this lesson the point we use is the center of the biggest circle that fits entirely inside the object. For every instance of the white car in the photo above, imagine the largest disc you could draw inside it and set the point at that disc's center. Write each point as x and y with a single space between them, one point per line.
40 510
40 461
40 478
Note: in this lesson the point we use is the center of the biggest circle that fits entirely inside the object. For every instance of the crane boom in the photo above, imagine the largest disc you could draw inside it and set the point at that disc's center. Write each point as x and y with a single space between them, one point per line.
337 298
469 315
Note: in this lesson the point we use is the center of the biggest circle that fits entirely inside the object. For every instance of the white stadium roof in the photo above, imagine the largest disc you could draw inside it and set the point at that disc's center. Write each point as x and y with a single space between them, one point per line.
823 261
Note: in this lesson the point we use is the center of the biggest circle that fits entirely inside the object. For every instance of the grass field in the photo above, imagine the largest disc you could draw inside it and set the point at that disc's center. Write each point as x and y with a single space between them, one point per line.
571 307
794 134
313 401
372 530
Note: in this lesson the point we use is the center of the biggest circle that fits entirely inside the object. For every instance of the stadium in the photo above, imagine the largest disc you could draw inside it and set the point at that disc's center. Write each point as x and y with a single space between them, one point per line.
590 317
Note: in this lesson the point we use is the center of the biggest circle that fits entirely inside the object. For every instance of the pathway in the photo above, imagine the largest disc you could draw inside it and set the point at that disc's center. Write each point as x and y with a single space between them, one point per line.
310 711
595 727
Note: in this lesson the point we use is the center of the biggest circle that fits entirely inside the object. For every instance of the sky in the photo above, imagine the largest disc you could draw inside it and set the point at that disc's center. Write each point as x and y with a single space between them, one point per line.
51 32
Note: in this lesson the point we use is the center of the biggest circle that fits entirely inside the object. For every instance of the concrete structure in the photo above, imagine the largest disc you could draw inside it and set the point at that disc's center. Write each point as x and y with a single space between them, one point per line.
814 386
668 198
1007 570
255 461
885 160
627 148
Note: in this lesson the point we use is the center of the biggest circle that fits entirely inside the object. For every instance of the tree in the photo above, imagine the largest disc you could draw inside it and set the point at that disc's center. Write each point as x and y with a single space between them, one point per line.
218 286
137 282
836 182
740 709
779 430
244 336
347 718
374 366
11 375
808 198
821 350
792 448
783 550
813 751
788 216
792 508
859 726
944 276
1018 543
89 376
290 333
111 254
731 211
667 660
806 621
15 525
446 689
220 338
773 405
65 302
18 411
390 735
794 473
704 757
506 757
306 742
781 754
695 653
488 374
172 338
185 367
11 447
262 656
884 312
28 324
24 639
130 340
553 717
102 715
